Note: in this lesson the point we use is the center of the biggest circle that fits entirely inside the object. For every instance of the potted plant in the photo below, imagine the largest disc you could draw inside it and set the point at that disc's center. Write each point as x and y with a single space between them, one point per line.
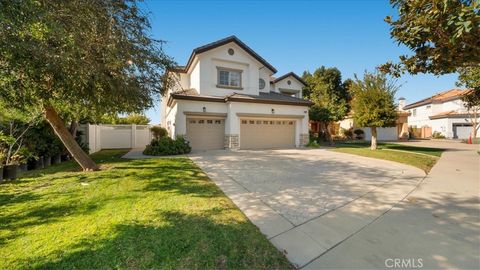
24 155
11 168
2 159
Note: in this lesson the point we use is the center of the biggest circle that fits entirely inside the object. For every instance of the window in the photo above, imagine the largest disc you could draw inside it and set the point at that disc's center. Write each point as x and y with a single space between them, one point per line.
229 78
218 121
261 83
192 121
259 122
265 122
251 122
429 106
244 121
201 121
209 121
414 113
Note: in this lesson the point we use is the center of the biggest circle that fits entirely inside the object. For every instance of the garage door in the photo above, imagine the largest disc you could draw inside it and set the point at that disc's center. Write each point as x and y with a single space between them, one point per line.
462 131
257 134
205 133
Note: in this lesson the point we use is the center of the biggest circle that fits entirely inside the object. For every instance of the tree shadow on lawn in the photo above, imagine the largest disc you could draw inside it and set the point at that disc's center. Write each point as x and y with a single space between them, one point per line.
209 240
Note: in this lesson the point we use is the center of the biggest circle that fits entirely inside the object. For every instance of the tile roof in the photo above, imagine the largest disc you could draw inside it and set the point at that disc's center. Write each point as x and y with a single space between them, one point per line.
266 98
450 114
440 97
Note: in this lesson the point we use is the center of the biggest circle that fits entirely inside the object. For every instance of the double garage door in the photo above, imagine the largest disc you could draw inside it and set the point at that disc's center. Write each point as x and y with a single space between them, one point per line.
268 133
209 133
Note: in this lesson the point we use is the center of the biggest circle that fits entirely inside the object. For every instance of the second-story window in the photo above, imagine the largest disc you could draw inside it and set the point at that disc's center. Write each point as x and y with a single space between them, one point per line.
229 78
414 113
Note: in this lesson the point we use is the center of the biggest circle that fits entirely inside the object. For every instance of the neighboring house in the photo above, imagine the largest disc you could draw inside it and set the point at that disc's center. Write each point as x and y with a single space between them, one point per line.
444 113
226 97
399 131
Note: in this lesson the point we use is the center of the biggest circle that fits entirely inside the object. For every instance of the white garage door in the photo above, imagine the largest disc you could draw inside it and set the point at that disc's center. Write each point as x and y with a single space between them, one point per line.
462 132
205 133
268 133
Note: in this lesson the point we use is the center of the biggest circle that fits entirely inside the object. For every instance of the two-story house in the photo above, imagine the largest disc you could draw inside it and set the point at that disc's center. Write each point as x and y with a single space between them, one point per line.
444 112
226 97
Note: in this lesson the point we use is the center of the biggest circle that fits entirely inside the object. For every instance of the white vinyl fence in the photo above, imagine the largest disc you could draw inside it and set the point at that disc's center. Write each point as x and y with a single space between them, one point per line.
383 134
101 137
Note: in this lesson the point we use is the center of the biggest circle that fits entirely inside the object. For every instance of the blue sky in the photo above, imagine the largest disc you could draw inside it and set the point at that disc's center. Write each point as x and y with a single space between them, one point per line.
292 36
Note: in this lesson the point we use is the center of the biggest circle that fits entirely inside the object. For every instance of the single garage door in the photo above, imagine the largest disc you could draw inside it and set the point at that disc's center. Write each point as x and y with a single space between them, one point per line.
462 131
205 133
268 133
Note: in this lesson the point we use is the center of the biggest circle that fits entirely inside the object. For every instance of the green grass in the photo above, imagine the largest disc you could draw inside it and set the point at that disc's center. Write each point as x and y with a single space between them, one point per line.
137 214
420 157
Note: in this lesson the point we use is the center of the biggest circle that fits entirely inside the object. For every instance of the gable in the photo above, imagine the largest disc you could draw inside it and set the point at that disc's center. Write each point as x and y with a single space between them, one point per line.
223 43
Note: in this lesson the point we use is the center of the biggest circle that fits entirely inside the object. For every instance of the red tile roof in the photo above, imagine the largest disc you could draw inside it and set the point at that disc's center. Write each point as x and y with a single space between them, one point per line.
440 97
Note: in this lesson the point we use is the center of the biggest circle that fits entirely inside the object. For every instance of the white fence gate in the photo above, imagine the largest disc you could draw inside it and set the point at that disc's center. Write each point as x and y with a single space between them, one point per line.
101 137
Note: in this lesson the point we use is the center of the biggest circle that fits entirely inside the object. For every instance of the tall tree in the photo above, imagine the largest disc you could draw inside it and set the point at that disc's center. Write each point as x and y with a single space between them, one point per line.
329 94
443 35
93 54
374 103
472 102
470 78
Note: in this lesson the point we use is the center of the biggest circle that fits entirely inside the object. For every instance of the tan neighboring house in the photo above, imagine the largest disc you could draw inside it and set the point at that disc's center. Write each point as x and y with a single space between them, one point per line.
227 98
398 132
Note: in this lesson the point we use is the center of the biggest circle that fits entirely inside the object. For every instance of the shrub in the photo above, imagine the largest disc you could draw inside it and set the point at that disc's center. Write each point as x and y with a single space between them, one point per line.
167 146
158 132
438 135
347 133
359 134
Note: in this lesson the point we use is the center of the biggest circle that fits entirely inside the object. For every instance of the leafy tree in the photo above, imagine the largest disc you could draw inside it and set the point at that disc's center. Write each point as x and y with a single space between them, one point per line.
329 94
443 35
92 54
374 103
472 103
14 126
470 78
133 118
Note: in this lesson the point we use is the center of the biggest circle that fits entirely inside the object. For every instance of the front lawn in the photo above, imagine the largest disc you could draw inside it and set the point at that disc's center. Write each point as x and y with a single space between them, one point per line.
420 157
134 214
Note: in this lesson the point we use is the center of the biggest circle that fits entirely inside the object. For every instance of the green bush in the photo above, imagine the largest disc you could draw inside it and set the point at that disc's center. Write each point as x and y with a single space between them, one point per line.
438 135
167 146
158 132
359 134
347 133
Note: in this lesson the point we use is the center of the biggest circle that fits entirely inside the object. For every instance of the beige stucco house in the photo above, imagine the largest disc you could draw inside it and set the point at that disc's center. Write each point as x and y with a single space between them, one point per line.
226 97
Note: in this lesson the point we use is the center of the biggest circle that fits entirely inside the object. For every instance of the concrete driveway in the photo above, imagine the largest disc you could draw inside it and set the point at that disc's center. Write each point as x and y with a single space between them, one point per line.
308 202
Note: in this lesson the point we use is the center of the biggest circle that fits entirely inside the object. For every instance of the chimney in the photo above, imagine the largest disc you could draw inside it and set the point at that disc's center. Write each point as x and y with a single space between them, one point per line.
401 103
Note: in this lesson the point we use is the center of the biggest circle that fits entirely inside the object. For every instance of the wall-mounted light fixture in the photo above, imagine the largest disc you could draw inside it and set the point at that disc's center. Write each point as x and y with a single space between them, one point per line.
273 111
204 109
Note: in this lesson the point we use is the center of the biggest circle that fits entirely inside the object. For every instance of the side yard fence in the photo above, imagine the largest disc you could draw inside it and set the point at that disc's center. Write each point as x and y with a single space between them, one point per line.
100 137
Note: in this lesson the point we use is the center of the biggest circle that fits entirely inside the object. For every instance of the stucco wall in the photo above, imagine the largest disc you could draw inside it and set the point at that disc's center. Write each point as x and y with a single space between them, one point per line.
219 57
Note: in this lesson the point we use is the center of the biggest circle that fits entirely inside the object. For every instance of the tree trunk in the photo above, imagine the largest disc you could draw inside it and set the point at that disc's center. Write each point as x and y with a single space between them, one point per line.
73 128
474 125
67 139
328 136
373 146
